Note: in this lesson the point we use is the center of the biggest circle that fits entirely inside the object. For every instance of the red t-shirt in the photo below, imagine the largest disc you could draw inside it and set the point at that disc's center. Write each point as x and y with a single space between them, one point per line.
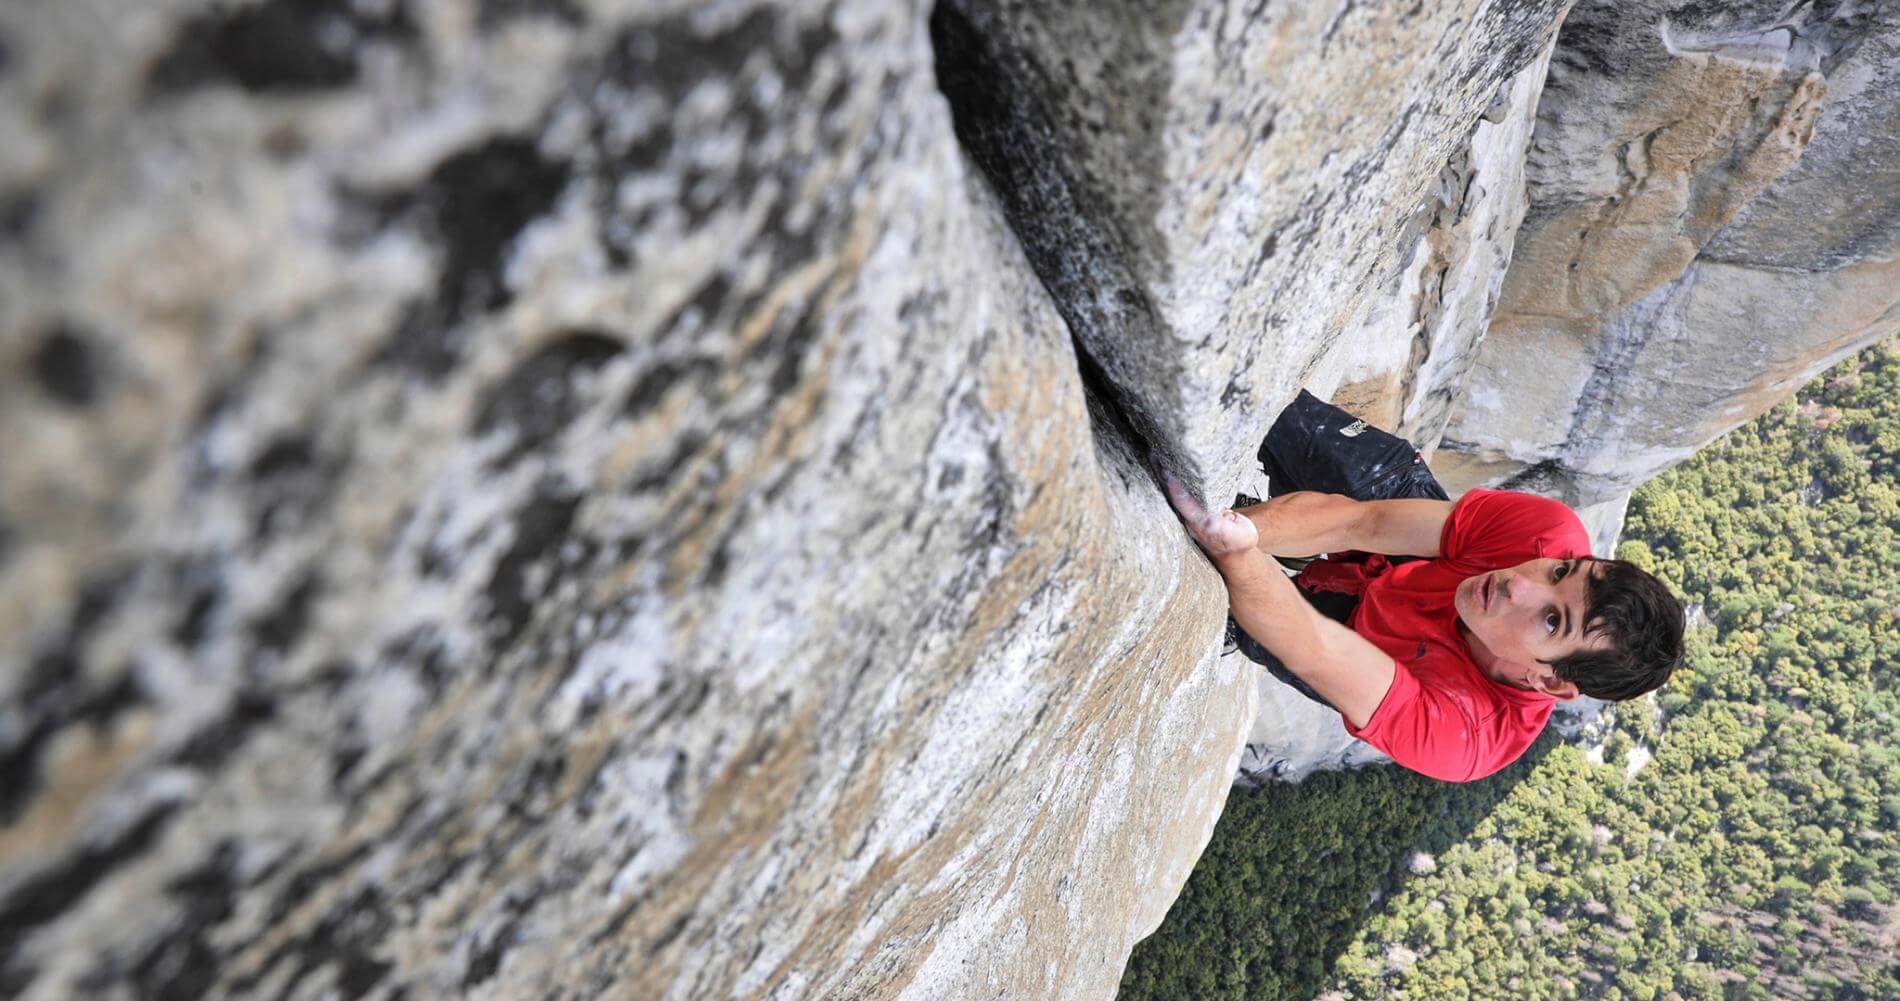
1442 717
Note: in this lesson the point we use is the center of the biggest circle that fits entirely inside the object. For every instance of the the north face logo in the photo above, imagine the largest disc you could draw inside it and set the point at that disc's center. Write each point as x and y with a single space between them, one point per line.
1355 429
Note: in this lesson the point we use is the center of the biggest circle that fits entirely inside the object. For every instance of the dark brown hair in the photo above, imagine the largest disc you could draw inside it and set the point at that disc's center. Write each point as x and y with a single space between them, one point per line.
1644 621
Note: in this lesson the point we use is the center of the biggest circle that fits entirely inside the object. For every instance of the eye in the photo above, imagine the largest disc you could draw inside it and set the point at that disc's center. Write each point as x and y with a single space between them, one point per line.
1562 571
1551 621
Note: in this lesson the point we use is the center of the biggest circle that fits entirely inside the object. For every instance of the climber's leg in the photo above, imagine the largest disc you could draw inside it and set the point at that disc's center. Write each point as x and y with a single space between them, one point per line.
1314 445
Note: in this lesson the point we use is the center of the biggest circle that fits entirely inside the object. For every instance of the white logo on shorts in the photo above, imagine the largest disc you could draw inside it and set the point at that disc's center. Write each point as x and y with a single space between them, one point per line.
1355 429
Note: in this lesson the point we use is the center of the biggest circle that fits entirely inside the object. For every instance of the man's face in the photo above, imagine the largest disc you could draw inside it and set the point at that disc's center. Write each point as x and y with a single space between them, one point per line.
1523 616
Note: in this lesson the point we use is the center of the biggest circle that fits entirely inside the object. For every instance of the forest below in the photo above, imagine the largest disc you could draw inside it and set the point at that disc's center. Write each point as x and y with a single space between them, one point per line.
1731 836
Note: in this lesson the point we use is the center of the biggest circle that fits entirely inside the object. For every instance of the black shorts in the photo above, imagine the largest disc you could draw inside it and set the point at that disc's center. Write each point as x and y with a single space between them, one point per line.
1314 445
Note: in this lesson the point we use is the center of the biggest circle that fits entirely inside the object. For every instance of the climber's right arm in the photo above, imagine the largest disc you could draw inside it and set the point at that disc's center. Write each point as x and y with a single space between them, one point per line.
1345 668
1305 522
1342 666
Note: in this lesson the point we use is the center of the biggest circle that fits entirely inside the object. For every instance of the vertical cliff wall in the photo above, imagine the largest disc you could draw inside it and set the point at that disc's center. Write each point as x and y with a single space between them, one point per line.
653 499
1714 189
601 490
579 495
1216 194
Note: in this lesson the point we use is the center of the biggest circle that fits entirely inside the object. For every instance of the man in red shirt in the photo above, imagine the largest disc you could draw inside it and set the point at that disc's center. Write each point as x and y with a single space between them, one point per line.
1450 662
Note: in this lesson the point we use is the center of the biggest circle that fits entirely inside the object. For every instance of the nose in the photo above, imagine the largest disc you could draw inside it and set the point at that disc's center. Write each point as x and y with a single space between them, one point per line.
1522 590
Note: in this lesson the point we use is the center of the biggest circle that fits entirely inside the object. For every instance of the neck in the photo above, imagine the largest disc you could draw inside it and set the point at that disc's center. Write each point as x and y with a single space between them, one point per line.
1488 662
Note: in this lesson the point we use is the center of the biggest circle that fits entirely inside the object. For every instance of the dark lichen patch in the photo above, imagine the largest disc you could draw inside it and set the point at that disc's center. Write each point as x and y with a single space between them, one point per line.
280 628
19 210
346 940
424 342
432 823
542 532
539 398
704 310
487 958
198 580
668 59
70 705
65 367
672 932
421 651
183 965
653 384
289 482
282 46
658 473
343 762
478 201
211 746
56 671
791 349
1236 394
529 794
473 204
673 56
55 891
295 891
214 405
305 882
56 692
286 455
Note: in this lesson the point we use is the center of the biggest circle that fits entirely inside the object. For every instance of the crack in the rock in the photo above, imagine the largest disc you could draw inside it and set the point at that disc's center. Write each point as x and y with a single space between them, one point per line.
993 115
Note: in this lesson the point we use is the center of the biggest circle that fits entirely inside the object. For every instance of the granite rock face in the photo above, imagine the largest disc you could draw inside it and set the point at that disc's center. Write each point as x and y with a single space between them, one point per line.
1714 194
573 494
1215 192
653 499
1404 361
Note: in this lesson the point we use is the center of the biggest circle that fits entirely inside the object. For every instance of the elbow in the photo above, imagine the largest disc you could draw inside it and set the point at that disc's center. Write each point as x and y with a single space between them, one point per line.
1361 523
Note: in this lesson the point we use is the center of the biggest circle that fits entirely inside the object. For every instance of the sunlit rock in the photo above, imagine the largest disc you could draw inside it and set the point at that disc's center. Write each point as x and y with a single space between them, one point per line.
565 497
1216 195
1713 222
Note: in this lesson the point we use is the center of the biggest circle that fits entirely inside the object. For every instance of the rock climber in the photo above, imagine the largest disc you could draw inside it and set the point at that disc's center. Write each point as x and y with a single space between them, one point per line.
1443 633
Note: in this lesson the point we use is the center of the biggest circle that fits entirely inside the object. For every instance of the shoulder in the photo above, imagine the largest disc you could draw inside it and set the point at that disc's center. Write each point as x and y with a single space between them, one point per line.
1451 724
1424 727
1505 737
1489 525
1515 508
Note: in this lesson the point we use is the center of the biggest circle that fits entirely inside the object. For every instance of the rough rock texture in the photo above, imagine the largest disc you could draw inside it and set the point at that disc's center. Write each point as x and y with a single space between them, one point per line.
1404 362
1715 218
1214 192
610 498
571 497
1293 737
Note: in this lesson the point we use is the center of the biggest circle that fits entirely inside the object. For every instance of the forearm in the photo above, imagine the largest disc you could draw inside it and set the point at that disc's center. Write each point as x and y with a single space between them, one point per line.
1305 523
1343 667
1264 601
1346 669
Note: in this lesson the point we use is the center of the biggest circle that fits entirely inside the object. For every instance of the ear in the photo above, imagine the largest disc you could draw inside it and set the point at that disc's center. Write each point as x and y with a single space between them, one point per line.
1562 691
